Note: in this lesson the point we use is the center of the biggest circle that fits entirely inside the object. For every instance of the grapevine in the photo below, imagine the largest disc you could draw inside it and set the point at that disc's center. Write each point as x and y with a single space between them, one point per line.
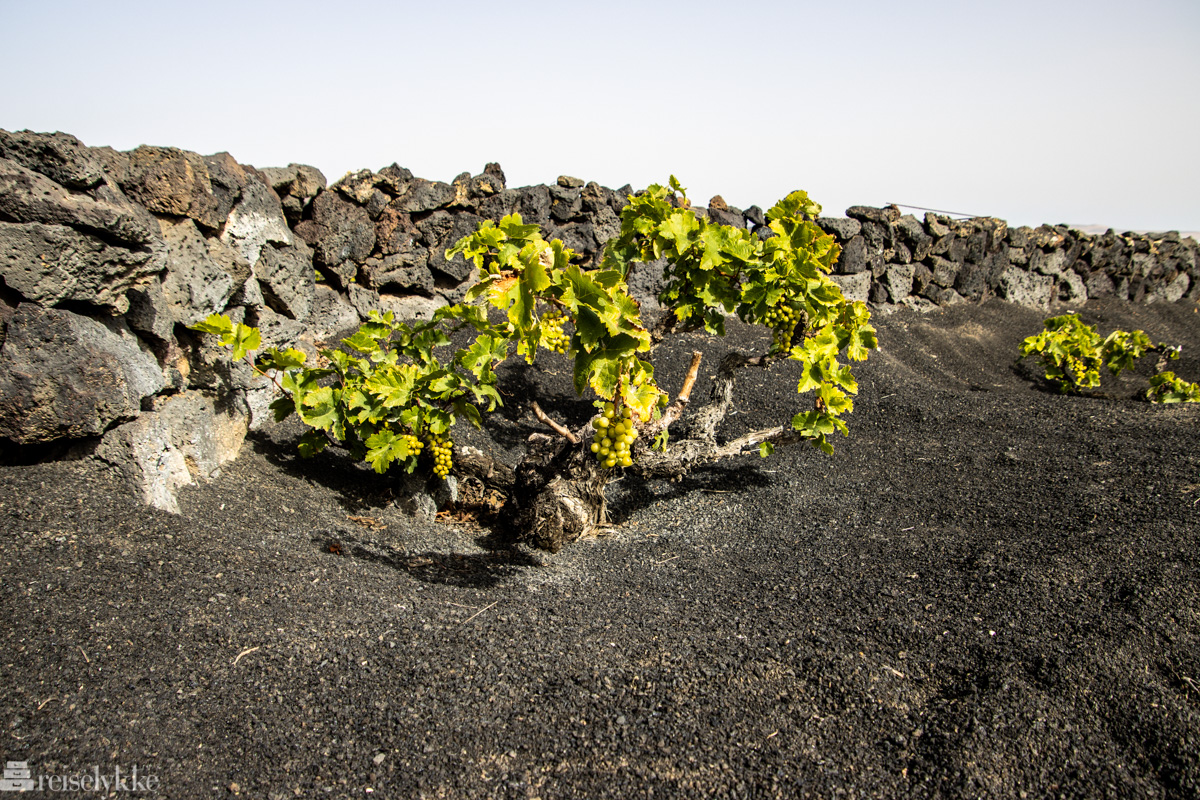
392 396
1165 387
1071 353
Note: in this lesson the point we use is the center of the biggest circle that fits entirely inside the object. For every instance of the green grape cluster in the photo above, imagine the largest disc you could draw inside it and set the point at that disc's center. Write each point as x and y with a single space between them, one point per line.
781 319
442 448
415 446
553 337
614 437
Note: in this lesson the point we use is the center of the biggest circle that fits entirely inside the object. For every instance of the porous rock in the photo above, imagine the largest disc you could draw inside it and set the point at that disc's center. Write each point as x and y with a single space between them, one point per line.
194 285
565 202
400 272
854 256
856 287
142 454
1026 288
913 234
28 196
842 228
59 156
357 186
344 231
183 438
409 308
331 313
256 220
52 264
227 179
898 280
167 180
421 195
1071 288
66 376
286 278
439 232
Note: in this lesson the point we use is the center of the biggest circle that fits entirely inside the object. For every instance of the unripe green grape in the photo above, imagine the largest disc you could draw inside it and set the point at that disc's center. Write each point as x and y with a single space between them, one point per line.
442 449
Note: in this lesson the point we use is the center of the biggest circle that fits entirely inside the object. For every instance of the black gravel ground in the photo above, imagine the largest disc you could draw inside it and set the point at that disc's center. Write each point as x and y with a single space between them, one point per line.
988 591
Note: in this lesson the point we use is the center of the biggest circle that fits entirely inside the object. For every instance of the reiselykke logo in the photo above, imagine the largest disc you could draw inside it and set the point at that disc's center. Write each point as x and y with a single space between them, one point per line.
18 777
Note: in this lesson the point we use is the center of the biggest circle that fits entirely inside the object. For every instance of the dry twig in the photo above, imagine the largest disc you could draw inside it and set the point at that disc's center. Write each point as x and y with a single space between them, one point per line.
554 426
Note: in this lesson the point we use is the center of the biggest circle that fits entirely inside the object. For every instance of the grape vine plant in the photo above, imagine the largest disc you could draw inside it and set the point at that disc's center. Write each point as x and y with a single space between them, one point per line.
391 396
1072 354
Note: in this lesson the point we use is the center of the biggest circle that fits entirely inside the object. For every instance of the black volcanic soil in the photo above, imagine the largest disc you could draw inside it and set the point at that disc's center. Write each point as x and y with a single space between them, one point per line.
988 591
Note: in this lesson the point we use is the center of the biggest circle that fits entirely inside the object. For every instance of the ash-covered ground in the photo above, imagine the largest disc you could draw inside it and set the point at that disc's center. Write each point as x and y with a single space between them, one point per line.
990 590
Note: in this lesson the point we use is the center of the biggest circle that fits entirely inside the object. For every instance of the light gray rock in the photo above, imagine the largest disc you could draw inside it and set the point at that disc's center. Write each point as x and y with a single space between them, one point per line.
256 220
949 297
331 314
1026 288
184 438
1071 288
287 278
297 180
1098 284
856 287
363 300
898 280
276 329
921 304
208 429
208 363
51 264
415 499
1173 290
65 376
142 454
444 491
843 228
249 295
258 397
409 308
1052 263
194 285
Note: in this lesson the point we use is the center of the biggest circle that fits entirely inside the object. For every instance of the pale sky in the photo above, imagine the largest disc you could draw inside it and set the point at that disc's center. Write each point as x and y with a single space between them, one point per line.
1085 112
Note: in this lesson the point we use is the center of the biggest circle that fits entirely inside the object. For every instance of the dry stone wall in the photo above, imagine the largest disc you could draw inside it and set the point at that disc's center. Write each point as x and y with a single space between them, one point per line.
106 257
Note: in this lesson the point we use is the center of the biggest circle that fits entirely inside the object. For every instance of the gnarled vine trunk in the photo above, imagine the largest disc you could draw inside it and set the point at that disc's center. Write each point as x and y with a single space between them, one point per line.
556 493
